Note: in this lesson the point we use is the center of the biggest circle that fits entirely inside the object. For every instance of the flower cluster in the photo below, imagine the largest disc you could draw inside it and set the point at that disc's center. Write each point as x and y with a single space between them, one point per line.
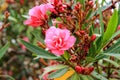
70 32
61 39
83 70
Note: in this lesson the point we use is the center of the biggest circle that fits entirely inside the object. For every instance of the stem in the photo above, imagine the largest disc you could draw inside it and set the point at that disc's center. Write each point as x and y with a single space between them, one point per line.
97 67
108 72
67 62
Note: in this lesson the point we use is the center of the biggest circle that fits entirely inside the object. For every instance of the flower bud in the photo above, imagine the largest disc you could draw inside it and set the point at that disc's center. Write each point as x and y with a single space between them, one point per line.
93 37
90 3
79 69
78 6
91 69
82 32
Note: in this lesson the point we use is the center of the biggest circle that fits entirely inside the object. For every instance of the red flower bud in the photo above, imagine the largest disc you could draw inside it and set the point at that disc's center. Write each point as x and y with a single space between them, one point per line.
91 3
82 32
91 69
78 6
93 37
79 69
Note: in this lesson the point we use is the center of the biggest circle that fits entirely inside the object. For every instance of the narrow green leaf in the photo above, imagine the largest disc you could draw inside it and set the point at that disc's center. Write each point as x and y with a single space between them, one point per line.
112 62
98 76
51 68
102 9
38 35
11 18
100 56
81 1
116 55
58 73
25 16
111 28
66 55
114 47
92 49
114 35
3 50
75 77
101 22
83 77
39 51
90 59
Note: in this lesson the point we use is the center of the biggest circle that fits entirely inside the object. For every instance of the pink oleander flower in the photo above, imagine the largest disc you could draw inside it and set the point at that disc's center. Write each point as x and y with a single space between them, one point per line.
38 15
58 40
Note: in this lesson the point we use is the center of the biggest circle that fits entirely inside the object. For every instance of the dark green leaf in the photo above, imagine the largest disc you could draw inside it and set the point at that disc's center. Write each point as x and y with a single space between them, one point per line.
84 77
114 47
98 76
101 22
66 55
3 50
51 68
116 55
39 51
112 62
38 36
58 73
111 28
75 76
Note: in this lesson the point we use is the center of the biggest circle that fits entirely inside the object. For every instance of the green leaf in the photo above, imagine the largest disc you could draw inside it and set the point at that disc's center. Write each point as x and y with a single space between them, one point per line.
81 1
116 55
102 9
38 35
114 35
90 59
111 28
100 56
98 76
88 14
51 68
101 22
112 62
66 55
92 49
75 77
3 50
58 73
39 51
25 16
11 18
114 47
84 77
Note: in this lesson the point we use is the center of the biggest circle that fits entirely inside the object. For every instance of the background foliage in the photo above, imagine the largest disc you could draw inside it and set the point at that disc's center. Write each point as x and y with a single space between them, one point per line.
24 65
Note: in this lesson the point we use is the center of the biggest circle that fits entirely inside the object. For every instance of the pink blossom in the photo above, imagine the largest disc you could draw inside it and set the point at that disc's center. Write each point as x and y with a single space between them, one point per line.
58 40
38 15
